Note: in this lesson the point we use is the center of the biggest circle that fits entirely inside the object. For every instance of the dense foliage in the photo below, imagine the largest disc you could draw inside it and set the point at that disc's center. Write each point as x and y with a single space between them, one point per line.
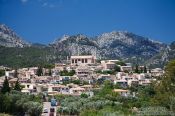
29 56
2 73
17 103
103 100
14 102
67 73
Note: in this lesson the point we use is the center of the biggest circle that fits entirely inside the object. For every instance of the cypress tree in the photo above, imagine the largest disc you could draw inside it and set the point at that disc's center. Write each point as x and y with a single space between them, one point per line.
50 72
5 87
145 69
40 71
16 73
137 69
17 86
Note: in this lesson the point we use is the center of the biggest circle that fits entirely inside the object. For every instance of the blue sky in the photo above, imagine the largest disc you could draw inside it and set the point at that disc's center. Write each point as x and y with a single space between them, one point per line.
43 21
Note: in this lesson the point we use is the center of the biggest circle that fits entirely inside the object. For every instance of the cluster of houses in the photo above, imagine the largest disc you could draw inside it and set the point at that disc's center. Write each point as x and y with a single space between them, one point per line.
86 70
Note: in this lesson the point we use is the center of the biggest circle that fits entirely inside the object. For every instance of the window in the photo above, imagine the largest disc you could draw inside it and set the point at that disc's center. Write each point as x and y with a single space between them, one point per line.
85 60
72 60
82 60
75 60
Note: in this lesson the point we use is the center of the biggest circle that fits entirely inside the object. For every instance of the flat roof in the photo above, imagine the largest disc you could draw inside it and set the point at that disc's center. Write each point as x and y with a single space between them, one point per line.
120 90
89 56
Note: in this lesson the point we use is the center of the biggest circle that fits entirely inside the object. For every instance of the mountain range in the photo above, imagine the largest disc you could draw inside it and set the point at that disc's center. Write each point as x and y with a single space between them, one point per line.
122 45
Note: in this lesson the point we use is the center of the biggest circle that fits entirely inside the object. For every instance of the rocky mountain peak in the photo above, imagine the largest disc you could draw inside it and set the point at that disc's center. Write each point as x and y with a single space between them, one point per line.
63 38
9 38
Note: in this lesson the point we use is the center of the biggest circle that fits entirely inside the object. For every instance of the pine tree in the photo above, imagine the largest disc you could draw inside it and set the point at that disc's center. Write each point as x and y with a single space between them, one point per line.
5 87
17 86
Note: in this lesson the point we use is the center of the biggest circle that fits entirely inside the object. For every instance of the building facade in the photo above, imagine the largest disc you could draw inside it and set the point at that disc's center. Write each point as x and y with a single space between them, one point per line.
78 60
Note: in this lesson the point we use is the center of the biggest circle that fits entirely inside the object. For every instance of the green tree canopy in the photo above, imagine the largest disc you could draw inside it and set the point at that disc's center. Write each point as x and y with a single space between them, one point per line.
121 63
6 87
2 73
165 88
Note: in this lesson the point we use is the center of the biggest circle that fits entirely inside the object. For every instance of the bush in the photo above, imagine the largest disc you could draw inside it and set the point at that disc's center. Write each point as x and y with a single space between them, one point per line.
83 95
18 103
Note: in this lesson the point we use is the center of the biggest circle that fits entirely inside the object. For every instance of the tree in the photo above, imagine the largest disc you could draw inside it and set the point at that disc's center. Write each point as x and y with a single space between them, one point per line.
121 63
39 71
2 73
33 108
168 81
153 111
136 68
83 95
50 72
165 89
76 82
17 86
117 68
145 69
5 87
106 89
66 73
16 73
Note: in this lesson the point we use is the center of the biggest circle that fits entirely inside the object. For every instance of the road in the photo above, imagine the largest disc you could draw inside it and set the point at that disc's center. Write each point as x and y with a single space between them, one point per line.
48 106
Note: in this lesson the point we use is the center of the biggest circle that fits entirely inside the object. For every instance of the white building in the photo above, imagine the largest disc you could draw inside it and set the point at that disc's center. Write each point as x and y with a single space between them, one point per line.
126 68
9 73
157 72
108 65
83 71
78 60
77 91
122 92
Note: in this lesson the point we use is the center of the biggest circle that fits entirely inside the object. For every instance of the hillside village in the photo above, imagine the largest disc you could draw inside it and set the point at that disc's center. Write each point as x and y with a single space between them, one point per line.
87 58
81 74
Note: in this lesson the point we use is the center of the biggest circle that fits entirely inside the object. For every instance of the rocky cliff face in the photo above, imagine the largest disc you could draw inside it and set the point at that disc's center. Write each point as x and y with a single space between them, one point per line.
161 58
9 38
123 45
74 45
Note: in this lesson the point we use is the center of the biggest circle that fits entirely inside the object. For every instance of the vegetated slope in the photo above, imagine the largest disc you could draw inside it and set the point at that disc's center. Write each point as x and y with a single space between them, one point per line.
28 56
